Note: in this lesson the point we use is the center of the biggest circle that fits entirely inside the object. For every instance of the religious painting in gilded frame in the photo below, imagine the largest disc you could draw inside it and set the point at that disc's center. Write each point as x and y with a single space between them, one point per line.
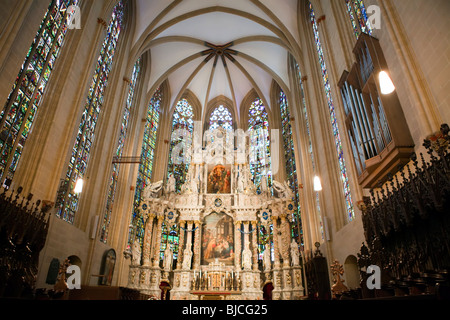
218 239
219 179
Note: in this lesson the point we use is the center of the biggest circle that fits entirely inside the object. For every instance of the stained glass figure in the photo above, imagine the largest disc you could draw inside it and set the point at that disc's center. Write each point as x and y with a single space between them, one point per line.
259 135
21 108
180 145
119 151
146 165
68 199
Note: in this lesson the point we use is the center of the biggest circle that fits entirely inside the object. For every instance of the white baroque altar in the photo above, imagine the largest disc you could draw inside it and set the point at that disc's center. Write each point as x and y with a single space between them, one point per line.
218 214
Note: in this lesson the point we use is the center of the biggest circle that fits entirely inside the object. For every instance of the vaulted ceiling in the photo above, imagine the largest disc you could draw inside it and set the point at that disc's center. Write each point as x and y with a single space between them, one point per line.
217 48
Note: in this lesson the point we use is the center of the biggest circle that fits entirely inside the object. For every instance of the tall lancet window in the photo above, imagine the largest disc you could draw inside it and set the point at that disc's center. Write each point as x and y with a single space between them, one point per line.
119 150
358 17
70 191
334 123
221 117
20 110
290 163
258 128
146 165
181 141
310 144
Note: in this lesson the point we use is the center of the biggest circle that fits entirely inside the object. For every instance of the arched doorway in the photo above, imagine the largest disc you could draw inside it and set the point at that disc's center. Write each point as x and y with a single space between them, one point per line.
267 291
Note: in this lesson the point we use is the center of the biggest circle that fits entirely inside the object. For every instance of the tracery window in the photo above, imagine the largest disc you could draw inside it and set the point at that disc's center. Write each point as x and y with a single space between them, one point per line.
334 123
146 164
358 17
119 151
20 110
259 135
181 141
68 198
221 117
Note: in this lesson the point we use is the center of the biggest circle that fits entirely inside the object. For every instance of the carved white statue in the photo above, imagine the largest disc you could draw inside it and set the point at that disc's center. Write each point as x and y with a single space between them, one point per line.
241 181
267 259
295 254
152 190
171 184
263 184
288 191
136 253
187 259
280 189
247 259
168 259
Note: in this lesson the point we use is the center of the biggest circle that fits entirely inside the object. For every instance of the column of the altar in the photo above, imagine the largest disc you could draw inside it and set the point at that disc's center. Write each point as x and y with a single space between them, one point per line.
156 248
197 239
277 272
181 245
146 252
183 274
285 245
237 242
255 245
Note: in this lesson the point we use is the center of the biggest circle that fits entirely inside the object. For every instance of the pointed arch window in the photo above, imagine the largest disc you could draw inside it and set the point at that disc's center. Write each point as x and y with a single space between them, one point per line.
146 165
68 198
181 141
358 17
258 127
21 108
334 123
119 150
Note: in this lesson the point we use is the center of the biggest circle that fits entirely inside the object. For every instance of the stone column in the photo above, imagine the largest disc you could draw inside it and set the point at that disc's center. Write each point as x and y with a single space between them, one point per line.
275 242
285 238
158 241
147 240
182 225
197 249
237 245
255 245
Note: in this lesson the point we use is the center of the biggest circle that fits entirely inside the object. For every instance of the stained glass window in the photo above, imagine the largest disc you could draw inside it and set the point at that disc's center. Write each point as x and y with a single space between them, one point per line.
119 151
182 131
146 165
21 108
258 125
334 123
221 117
68 199
290 163
358 17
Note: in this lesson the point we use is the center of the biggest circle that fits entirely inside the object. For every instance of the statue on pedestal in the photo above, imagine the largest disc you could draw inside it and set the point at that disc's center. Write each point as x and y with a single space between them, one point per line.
247 259
267 259
168 259
187 259
171 185
136 253
295 254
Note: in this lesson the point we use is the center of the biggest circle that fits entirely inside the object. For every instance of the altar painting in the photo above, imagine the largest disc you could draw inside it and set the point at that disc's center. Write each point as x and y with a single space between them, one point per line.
219 179
218 239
